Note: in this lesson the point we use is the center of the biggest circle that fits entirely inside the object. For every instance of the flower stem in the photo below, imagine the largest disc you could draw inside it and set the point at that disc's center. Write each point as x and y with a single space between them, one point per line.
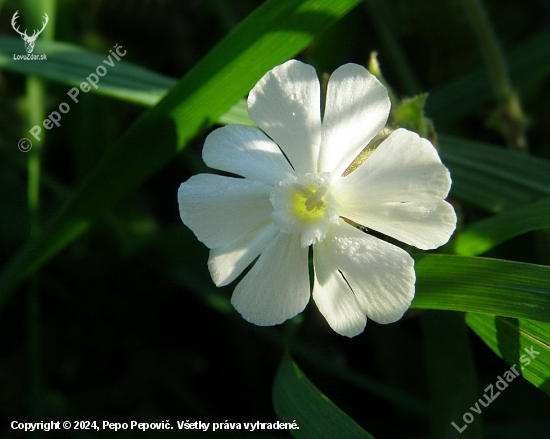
35 109
35 100
510 115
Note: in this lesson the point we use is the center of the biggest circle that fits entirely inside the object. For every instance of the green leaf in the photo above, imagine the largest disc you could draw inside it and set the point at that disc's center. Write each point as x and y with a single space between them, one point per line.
483 285
523 343
493 178
296 399
273 33
486 234
238 114
70 64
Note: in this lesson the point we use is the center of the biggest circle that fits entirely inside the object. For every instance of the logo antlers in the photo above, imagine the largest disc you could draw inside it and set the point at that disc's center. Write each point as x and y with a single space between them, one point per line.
29 41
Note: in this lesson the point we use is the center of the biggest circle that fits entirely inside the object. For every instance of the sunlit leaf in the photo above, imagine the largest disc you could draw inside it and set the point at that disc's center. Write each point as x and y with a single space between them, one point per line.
523 343
72 65
483 235
483 285
238 114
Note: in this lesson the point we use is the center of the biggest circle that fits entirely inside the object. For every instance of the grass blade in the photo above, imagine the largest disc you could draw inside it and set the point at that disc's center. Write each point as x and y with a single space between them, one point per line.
296 399
491 177
70 64
486 234
519 342
483 285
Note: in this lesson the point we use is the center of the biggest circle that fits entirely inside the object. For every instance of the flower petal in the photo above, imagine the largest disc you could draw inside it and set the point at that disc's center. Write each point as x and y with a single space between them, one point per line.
334 297
357 108
404 167
227 262
220 209
277 286
380 274
286 104
424 225
245 151
404 185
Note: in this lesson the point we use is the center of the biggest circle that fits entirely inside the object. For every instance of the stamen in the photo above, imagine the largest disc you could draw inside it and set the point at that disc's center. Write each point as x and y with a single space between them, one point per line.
303 190
304 204
315 199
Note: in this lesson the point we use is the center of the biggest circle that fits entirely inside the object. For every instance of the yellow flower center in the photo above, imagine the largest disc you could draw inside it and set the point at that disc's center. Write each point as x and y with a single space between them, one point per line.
307 203
304 204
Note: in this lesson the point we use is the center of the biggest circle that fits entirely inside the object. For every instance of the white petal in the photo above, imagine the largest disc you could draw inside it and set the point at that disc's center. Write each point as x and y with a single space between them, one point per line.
357 108
220 209
227 262
333 295
380 274
404 167
277 286
245 151
286 104
424 225
399 191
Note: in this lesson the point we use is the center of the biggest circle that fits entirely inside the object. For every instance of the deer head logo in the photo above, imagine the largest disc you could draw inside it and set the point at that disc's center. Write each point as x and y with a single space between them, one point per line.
29 41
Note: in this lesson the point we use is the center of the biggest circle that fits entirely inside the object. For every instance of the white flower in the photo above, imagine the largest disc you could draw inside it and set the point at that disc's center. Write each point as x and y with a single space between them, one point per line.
293 196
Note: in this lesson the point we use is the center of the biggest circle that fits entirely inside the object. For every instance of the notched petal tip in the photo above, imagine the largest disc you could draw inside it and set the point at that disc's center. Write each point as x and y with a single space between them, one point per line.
286 105
228 262
357 108
277 287
380 274
333 296
405 186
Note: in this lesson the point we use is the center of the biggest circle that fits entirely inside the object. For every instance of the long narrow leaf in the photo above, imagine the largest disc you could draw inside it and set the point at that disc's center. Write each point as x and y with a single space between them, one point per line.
523 343
297 400
70 64
483 285
494 178
276 31
486 234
